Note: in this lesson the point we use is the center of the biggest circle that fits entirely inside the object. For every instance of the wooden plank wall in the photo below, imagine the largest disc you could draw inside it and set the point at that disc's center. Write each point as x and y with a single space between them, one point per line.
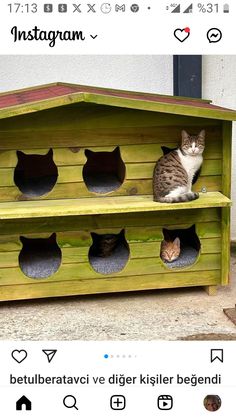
144 270
70 130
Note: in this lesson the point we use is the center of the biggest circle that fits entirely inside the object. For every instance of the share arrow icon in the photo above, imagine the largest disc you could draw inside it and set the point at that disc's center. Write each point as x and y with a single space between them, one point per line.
50 353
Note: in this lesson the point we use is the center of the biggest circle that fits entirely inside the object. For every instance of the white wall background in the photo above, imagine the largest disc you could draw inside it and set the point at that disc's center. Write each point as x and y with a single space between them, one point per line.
142 73
219 84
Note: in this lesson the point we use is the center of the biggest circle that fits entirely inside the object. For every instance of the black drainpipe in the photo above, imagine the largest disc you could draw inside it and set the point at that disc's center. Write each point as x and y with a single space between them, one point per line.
188 75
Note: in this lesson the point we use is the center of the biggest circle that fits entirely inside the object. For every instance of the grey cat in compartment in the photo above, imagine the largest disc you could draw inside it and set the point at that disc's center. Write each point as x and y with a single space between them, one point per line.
105 244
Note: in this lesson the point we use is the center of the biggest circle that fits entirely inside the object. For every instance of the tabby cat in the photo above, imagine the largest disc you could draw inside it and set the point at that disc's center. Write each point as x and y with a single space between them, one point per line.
170 250
174 172
105 244
166 150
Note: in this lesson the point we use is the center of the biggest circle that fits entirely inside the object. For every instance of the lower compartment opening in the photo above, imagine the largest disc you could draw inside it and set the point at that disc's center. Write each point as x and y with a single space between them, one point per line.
180 248
104 171
109 253
39 258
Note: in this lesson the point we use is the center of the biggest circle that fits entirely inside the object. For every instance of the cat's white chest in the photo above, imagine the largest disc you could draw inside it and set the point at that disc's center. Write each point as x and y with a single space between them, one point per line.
191 164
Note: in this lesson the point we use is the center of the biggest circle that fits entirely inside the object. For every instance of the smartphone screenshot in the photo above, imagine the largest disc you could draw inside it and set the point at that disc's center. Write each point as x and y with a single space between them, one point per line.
117 209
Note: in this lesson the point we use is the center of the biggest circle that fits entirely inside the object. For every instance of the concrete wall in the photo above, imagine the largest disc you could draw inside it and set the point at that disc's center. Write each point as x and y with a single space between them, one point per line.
143 73
219 84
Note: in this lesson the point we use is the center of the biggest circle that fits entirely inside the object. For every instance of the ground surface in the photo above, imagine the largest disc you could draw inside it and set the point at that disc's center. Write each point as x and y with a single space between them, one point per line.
167 314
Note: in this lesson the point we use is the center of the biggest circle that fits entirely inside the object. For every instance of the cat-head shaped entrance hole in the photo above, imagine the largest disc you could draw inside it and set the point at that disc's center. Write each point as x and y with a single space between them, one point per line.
180 248
104 171
167 150
39 258
109 253
35 174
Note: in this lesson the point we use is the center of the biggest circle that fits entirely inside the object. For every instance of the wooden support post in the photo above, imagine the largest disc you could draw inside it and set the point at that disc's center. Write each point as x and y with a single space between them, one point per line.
211 289
226 190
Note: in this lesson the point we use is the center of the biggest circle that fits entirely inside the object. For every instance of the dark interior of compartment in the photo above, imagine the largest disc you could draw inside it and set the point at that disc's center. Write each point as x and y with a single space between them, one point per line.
166 150
109 253
39 258
189 244
35 174
104 171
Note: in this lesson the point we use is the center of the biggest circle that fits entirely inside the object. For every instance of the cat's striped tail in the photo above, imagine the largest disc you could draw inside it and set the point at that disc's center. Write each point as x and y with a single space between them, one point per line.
186 197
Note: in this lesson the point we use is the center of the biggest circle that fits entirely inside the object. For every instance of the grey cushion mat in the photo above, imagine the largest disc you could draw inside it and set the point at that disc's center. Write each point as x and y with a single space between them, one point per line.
187 257
40 264
102 183
113 263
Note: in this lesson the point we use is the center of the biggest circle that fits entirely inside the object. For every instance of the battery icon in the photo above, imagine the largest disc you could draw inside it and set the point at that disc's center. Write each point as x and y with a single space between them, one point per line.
226 8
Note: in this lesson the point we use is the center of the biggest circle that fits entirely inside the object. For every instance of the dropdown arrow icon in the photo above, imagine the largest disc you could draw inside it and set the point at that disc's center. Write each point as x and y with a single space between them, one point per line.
93 36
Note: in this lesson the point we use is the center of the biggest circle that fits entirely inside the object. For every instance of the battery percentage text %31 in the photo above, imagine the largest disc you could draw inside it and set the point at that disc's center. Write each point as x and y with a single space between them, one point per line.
208 8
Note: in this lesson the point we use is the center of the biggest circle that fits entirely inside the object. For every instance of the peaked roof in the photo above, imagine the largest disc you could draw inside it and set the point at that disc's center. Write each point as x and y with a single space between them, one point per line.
52 95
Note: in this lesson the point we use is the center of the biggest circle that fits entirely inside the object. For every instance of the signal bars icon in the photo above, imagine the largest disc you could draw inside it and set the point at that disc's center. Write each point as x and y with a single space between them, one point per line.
176 8
189 9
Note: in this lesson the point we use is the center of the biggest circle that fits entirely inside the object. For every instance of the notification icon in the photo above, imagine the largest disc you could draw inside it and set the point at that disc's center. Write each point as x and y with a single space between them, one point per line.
182 34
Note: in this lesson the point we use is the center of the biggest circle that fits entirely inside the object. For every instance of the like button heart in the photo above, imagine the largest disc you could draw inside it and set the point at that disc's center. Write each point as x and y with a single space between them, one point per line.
19 356
182 34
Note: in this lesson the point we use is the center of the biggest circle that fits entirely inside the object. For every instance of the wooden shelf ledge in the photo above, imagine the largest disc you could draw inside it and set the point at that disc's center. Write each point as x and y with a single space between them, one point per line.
103 205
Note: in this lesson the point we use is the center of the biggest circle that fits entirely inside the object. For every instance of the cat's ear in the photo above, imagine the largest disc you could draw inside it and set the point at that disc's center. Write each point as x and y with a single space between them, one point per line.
166 234
202 134
53 237
116 150
20 154
166 150
184 134
177 241
94 236
23 239
88 153
50 153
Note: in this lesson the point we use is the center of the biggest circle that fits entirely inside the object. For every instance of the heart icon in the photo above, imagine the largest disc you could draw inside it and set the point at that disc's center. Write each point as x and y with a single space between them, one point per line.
182 34
19 356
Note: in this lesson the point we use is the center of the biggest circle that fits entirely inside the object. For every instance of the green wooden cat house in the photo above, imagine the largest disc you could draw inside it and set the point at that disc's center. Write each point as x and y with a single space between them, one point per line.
76 167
